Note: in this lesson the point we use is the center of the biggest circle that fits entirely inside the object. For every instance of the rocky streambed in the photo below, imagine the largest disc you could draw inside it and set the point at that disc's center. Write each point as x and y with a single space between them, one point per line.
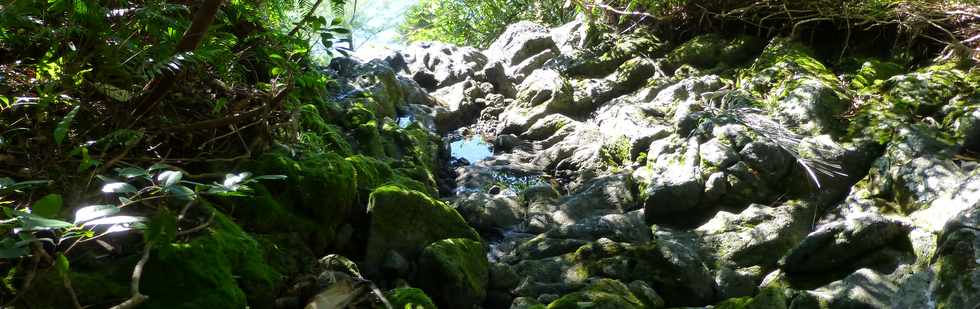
598 170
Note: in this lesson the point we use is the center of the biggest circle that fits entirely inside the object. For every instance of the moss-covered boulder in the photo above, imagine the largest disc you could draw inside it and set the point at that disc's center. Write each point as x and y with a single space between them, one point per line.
409 298
223 268
601 294
320 187
710 50
406 221
456 271
610 53
804 94
768 298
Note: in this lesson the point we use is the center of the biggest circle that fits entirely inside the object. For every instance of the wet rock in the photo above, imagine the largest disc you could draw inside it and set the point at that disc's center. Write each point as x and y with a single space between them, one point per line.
455 271
410 298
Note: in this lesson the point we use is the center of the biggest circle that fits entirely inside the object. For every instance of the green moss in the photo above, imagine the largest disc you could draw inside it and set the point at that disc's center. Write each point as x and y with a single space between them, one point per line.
611 52
358 114
224 268
319 134
456 271
783 62
872 73
768 298
406 221
602 294
103 288
409 298
320 187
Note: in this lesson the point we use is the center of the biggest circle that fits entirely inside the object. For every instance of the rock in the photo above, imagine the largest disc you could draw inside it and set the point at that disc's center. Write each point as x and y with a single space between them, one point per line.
717 153
740 282
603 293
770 161
489 213
649 297
503 277
406 221
709 50
950 204
526 303
768 298
758 235
543 247
456 271
611 52
675 269
681 184
409 298
544 92
847 245
520 41
811 107
956 283
436 65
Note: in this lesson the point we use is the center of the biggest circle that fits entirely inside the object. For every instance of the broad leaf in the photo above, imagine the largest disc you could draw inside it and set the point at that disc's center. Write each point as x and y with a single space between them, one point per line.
62 129
89 213
33 222
169 178
130 172
118 187
115 220
61 262
48 206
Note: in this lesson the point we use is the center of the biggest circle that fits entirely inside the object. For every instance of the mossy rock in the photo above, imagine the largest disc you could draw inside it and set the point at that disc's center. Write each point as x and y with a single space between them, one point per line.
456 271
925 91
768 298
319 186
223 268
611 55
108 286
320 134
369 141
409 298
602 294
405 221
870 74
711 50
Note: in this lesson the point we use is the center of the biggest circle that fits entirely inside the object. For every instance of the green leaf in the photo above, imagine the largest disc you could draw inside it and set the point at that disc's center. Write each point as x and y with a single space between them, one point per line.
115 220
10 249
48 206
61 262
89 213
62 129
181 192
118 187
33 222
270 177
169 178
159 166
130 172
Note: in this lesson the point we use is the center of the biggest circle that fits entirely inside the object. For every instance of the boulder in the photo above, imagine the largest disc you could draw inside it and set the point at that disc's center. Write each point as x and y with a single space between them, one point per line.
758 235
519 42
600 294
957 279
436 65
489 213
862 240
456 271
406 221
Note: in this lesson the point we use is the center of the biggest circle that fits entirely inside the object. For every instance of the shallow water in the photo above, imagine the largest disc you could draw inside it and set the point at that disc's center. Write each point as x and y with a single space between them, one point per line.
472 148
405 121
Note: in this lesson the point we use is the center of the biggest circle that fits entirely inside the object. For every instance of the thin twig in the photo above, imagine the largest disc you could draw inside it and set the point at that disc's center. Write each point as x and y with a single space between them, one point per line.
137 297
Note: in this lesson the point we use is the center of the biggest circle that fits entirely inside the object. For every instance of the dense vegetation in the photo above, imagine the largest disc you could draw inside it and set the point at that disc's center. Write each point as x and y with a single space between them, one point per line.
193 154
